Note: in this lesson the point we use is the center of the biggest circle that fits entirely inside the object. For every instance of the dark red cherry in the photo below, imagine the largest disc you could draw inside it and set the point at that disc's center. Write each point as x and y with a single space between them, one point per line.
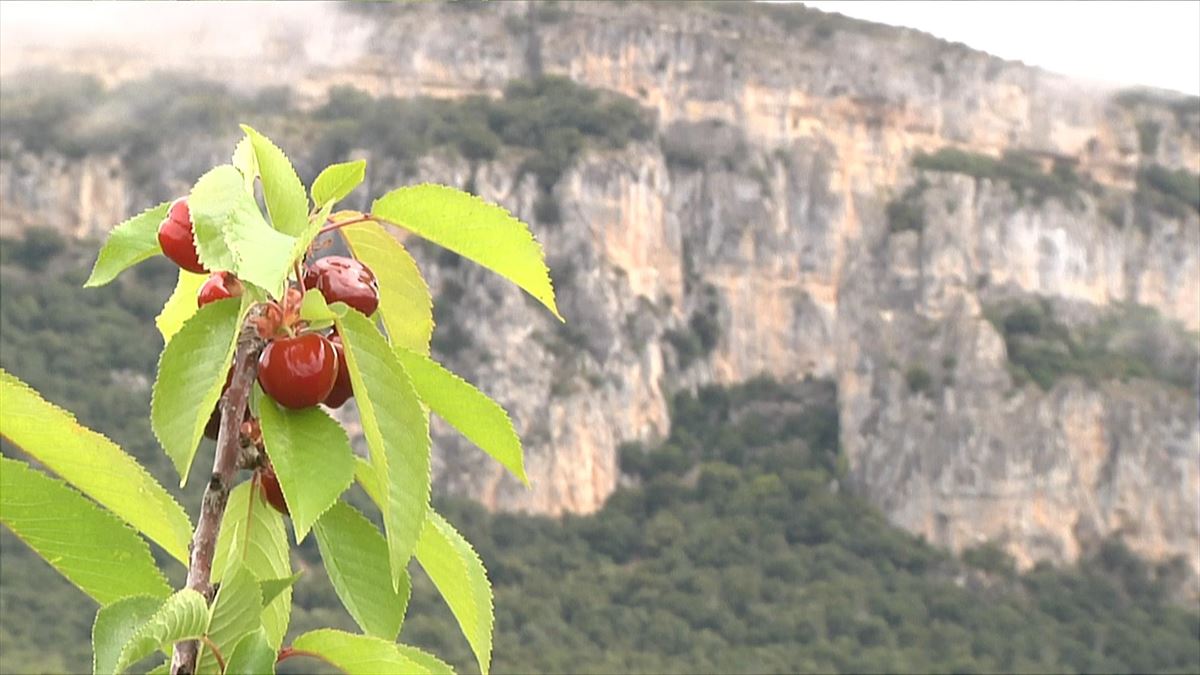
342 390
345 280
298 372
220 285
175 237
268 482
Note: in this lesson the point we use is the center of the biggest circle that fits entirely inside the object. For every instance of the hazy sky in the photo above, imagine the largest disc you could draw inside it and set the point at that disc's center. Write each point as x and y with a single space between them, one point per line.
1150 43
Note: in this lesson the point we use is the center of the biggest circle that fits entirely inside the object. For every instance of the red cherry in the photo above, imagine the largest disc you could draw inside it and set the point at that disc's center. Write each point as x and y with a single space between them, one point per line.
175 237
342 390
268 482
298 372
345 280
220 285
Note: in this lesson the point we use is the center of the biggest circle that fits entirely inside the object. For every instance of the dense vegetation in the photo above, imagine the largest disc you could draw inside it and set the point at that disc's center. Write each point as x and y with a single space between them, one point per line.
1018 169
736 547
548 121
1126 342
1171 192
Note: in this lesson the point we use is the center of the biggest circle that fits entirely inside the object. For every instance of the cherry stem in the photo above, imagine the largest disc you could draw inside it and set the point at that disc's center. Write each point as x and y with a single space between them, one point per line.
216 493
331 226
288 652
216 652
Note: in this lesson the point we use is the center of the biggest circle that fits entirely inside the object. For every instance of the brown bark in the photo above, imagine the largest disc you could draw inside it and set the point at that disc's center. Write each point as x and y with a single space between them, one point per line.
216 493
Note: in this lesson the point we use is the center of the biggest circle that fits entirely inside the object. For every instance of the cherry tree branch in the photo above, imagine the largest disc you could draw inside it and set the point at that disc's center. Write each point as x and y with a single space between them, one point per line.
216 494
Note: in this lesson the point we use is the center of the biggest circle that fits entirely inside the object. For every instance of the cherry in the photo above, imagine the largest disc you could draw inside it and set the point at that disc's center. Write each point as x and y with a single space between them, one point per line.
175 237
298 372
341 391
220 285
345 280
268 482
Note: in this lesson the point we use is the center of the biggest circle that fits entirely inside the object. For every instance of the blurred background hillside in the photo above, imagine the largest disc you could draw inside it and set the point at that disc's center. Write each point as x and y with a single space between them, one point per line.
881 353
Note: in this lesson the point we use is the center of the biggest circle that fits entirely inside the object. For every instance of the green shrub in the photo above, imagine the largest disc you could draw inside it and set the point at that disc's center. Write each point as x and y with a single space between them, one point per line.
1180 189
919 380
1018 169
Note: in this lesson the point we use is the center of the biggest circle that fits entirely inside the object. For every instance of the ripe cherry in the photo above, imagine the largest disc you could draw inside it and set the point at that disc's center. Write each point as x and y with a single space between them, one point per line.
268 482
342 390
298 372
220 285
345 280
175 237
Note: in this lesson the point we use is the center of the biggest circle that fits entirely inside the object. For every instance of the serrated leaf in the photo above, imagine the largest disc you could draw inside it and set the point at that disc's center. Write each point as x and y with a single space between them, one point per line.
253 535
356 559
235 613
467 409
404 302
316 312
91 548
246 163
475 229
232 235
93 464
114 625
282 190
191 374
357 653
432 663
184 616
128 244
271 588
312 458
181 305
338 180
461 580
397 433
253 655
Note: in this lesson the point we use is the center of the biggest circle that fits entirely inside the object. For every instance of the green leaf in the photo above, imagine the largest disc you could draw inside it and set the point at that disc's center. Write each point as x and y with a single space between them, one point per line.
93 464
184 616
253 535
128 244
84 543
460 578
181 305
467 409
282 190
246 163
253 655
235 613
191 374
232 235
469 226
312 458
404 302
397 433
356 559
338 180
435 665
316 312
357 653
271 588
114 625
161 669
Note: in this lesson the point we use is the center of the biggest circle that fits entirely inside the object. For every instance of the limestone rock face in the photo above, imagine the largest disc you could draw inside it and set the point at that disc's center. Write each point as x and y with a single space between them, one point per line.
776 245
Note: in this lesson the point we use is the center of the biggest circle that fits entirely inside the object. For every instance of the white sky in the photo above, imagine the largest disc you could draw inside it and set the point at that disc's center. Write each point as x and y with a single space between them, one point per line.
1147 43
1150 43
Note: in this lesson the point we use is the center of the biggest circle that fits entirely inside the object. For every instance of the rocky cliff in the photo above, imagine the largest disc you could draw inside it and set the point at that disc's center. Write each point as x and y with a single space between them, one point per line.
792 216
